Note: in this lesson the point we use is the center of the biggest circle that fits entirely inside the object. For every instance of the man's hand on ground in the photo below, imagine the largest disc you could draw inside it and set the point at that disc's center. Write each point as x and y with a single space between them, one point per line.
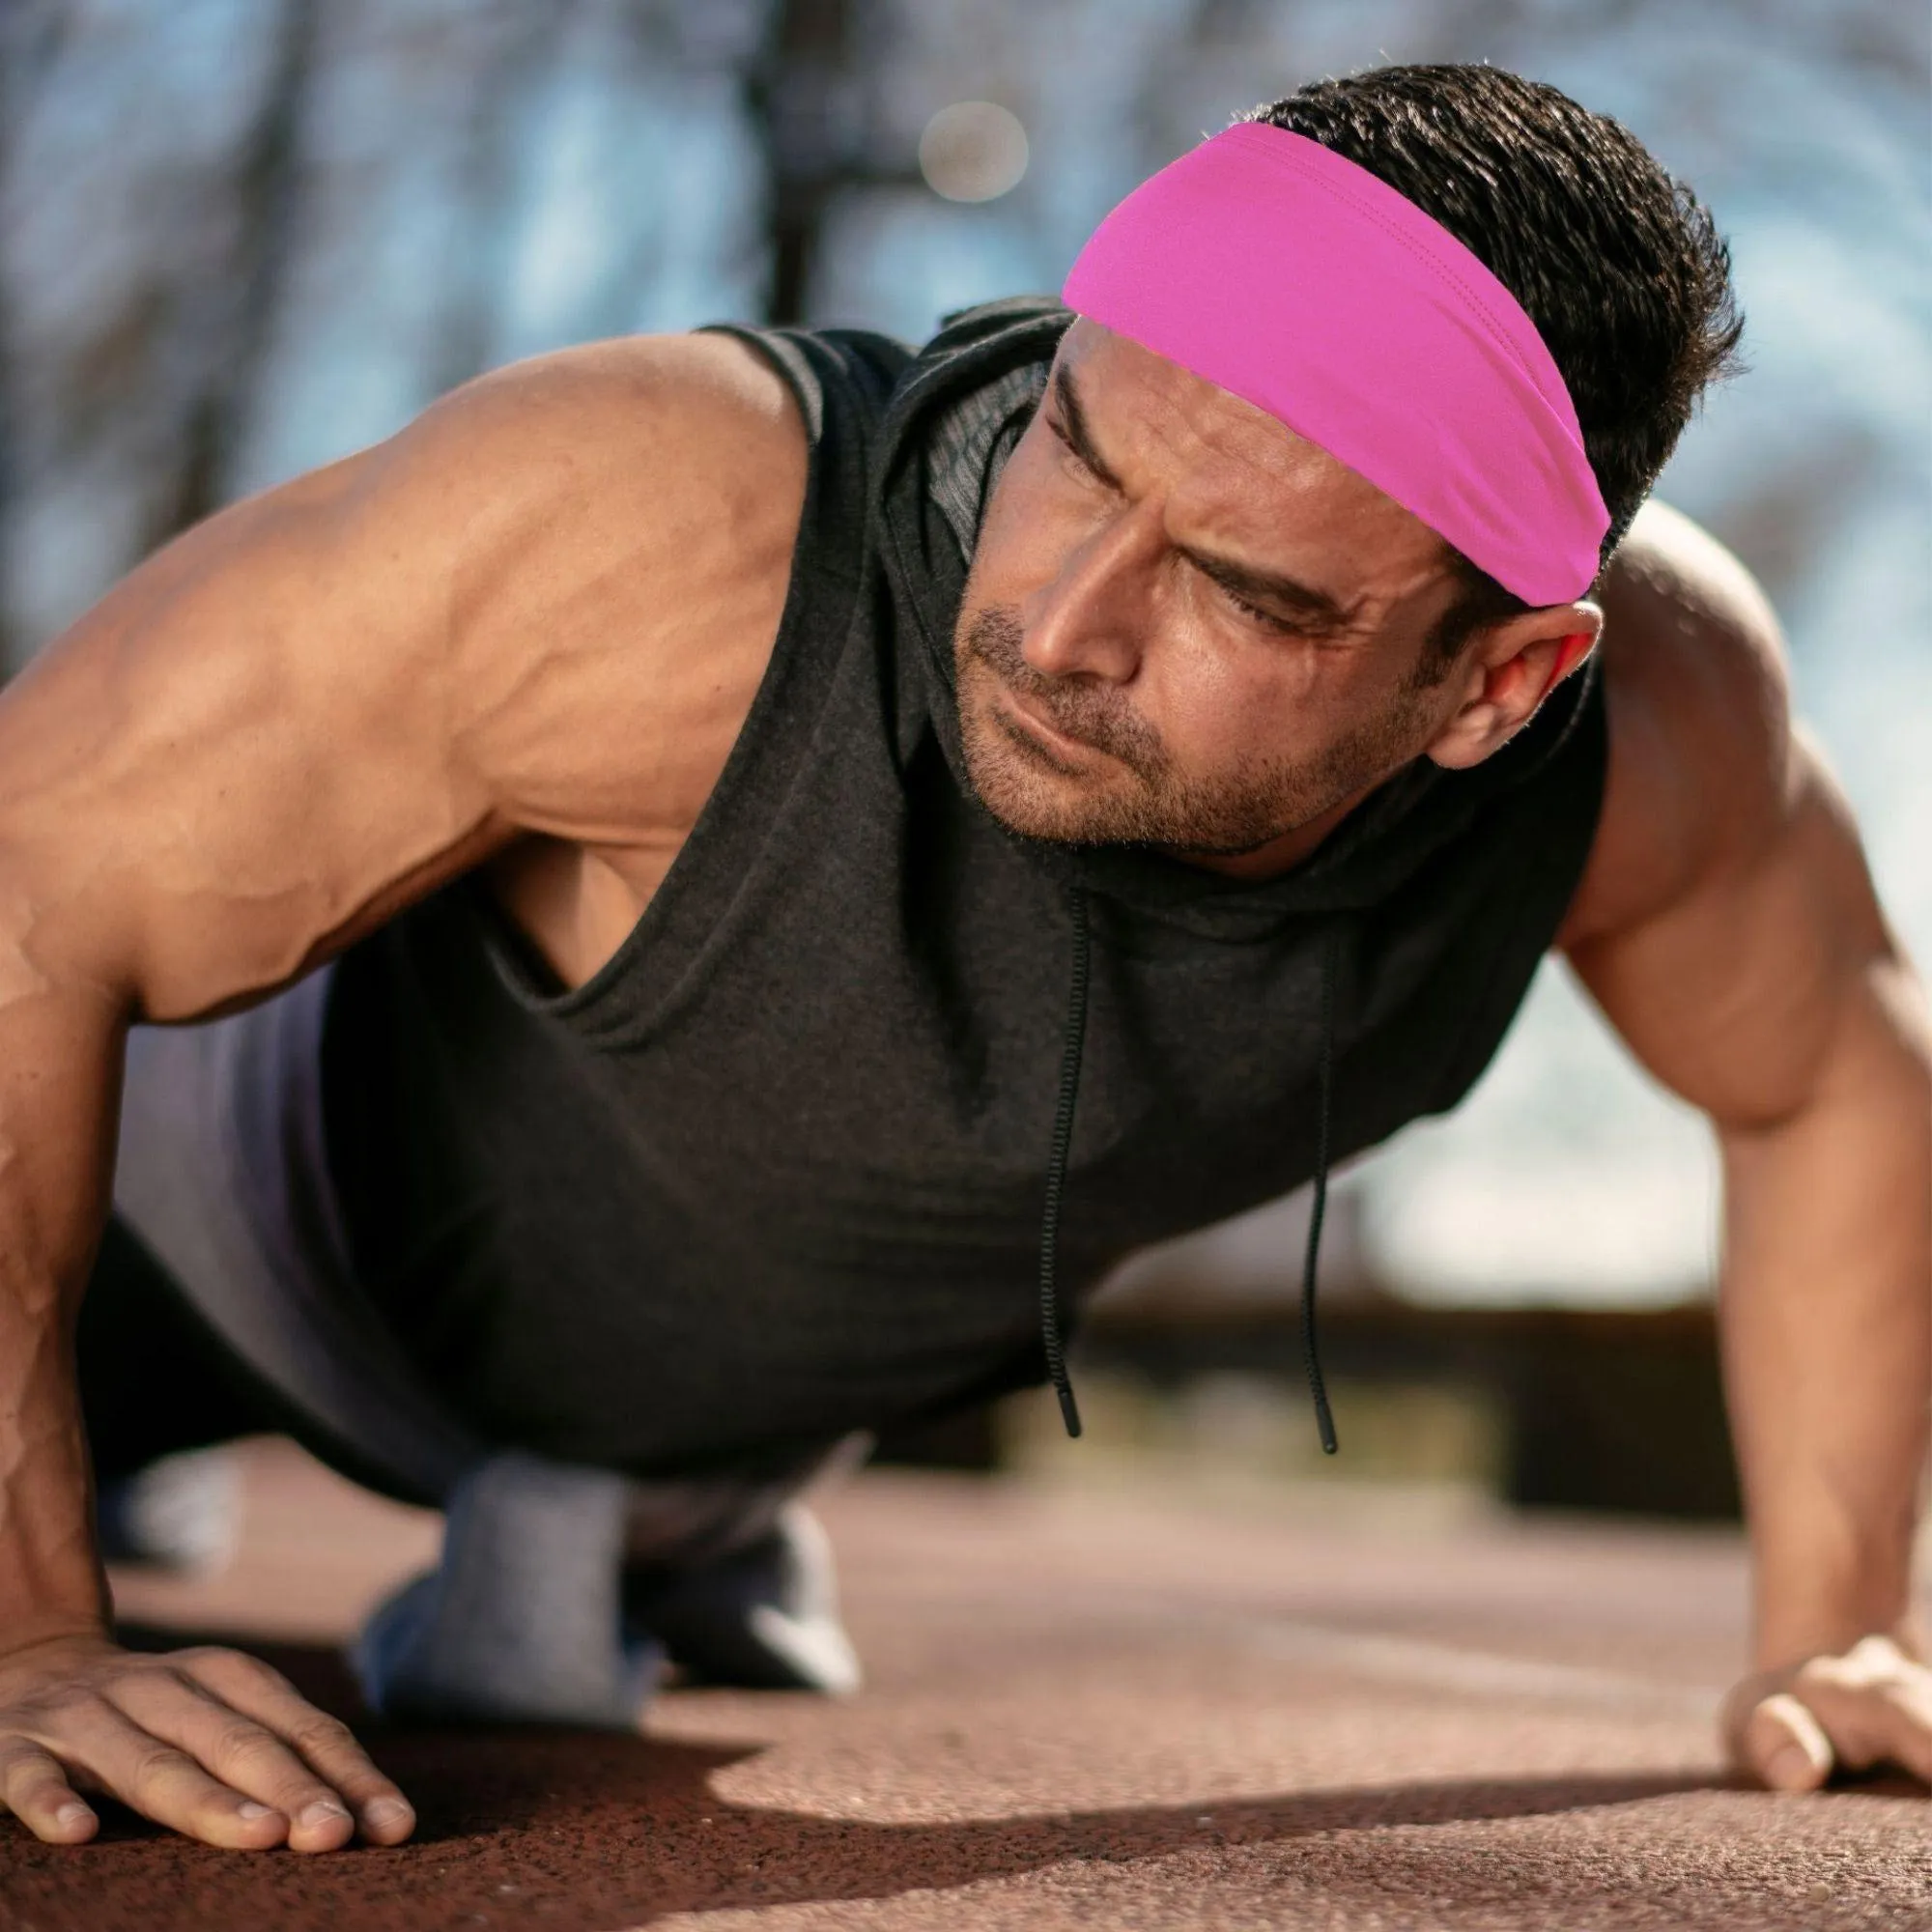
1792 1728
212 1743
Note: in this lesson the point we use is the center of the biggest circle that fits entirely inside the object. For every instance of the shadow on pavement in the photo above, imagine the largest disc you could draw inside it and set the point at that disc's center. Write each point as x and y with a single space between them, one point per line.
594 1830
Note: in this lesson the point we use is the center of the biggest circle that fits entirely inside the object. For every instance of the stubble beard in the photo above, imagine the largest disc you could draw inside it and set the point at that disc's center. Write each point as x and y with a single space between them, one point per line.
1143 800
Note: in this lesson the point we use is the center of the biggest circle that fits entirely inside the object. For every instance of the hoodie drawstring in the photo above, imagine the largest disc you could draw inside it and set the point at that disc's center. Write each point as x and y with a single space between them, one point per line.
1324 1421
1075 1039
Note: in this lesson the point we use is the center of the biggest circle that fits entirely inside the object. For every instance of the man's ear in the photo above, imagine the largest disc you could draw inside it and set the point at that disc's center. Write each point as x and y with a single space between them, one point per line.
1512 669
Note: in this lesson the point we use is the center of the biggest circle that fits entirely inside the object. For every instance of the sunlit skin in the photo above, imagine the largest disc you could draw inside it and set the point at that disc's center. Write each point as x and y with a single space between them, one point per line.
1189 626
522 638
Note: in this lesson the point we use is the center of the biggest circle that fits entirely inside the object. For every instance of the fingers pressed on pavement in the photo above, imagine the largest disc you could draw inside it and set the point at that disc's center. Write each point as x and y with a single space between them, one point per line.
154 1778
1875 1718
1785 1744
1906 1738
34 1788
324 1743
245 1754
1911 1706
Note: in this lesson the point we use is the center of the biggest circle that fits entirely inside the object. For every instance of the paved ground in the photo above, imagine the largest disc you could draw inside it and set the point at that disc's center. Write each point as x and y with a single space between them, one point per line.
1106 1709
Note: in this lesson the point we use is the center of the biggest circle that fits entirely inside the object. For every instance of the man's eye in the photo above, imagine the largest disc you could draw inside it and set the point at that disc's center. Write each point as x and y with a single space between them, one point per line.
1261 616
1065 442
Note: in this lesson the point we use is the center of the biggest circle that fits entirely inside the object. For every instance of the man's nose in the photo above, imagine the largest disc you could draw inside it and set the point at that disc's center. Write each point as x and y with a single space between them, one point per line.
1090 618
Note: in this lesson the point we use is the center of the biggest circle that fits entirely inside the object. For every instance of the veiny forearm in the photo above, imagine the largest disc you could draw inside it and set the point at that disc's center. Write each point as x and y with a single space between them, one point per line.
60 1061
1826 1309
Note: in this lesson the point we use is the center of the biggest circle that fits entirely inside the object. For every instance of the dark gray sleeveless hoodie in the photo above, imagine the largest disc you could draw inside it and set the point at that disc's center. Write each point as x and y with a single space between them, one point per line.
778 1171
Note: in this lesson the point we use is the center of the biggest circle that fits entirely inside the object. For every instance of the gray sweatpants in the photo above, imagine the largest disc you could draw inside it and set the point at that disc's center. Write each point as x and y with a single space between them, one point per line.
562 1589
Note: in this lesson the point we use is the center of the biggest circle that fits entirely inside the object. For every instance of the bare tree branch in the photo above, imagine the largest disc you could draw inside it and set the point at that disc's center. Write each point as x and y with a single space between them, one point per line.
794 88
516 36
268 196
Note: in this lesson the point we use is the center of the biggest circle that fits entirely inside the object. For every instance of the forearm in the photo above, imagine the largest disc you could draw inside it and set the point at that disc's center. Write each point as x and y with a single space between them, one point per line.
60 1056
1826 1312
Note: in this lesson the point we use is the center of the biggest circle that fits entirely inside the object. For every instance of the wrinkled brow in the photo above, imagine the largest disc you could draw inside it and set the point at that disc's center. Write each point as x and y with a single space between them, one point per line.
1308 605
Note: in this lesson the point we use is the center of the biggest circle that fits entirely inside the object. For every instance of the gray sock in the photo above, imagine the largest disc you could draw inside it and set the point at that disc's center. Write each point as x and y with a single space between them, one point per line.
520 1622
544 1609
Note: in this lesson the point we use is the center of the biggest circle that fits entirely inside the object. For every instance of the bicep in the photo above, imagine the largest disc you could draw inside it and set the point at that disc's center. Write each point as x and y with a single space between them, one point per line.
1727 923
324 702
232 763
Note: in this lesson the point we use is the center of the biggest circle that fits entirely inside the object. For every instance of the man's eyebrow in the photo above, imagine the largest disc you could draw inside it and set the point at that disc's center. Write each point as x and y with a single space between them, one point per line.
1078 433
1267 587
1309 605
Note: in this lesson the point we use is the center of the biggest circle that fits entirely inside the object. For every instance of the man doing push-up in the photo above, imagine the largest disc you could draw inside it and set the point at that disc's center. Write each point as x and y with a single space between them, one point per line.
722 881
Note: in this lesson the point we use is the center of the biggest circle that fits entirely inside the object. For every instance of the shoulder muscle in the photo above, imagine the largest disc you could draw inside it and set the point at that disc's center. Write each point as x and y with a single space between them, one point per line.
1703 764
617 578
1726 913
535 609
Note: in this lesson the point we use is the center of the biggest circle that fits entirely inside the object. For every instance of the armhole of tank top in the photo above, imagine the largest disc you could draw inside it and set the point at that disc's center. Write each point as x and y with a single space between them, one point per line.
521 973
1505 984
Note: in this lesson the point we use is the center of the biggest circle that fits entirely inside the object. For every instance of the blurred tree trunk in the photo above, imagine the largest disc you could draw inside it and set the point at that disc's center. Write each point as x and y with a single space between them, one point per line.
810 92
517 42
30 33
269 192
798 88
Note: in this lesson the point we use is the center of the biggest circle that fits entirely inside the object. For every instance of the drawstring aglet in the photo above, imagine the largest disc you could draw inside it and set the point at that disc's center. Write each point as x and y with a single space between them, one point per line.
1052 1339
1318 1207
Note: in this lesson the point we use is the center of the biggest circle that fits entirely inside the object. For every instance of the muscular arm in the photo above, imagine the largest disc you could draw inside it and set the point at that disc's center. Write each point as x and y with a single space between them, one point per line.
527 628
1728 928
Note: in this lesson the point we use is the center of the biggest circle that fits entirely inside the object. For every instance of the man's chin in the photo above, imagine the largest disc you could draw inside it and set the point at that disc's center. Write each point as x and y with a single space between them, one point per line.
1024 800
1035 797
1021 811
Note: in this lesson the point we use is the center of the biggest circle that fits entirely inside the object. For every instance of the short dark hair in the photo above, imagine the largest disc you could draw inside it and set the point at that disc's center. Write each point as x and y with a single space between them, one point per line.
1615 261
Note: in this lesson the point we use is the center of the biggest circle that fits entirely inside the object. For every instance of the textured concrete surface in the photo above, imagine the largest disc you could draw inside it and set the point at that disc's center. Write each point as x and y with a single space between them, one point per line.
1109 1709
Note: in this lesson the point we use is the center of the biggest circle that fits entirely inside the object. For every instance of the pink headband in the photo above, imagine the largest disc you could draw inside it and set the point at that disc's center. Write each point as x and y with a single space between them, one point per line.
1285 275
